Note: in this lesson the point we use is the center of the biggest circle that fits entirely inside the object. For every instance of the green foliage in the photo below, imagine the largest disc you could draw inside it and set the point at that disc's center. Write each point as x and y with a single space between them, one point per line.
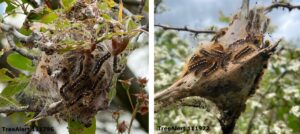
3 77
20 62
223 18
170 53
76 127
68 3
14 86
10 7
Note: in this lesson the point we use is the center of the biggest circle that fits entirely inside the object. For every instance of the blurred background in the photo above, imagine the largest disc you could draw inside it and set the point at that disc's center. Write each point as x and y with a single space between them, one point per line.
275 108
137 66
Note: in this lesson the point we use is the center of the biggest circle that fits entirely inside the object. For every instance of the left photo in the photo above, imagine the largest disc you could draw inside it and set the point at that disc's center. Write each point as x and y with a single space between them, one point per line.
74 66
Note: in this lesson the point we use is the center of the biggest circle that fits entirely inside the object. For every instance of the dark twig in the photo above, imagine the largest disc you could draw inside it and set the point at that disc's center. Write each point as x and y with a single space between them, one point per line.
186 29
283 5
18 50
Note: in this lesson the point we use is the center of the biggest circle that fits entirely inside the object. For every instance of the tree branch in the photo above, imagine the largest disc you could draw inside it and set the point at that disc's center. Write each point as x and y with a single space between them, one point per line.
186 29
18 50
12 30
289 6
16 109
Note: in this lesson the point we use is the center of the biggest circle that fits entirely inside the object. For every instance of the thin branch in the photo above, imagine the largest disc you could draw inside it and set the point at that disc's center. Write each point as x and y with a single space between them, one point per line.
16 109
10 29
186 29
289 6
141 6
18 50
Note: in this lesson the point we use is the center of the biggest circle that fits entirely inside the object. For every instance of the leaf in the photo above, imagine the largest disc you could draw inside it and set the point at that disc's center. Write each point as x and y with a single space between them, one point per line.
103 6
224 18
146 6
130 25
5 101
3 77
106 17
10 7
16 86
48 18
68 3
76 127
2 52
110 3
20 62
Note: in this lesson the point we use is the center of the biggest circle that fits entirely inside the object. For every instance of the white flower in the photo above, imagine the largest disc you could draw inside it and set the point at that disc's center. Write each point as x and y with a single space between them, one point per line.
295 110
270 95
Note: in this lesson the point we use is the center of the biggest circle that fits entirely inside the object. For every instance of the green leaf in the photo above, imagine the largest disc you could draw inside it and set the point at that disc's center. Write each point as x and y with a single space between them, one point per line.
113 90
15 87
110 3
76 127
103 6
68 3
130 25
10 7
106 17
20 62
5 101
3 77
38 15
48 18
146 6
224 18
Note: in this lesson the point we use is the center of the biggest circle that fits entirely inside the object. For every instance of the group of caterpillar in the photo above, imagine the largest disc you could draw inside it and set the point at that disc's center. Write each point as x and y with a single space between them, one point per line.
87 72
208 60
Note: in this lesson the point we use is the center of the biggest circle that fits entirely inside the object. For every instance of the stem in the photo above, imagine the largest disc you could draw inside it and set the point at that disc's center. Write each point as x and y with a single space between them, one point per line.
133 116
128 94
186 29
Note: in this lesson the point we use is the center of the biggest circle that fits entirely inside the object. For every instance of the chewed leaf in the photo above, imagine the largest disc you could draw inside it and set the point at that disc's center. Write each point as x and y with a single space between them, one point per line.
20 62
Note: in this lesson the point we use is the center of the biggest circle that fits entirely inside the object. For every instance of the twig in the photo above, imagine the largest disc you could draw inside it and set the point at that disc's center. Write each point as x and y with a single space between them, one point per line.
141 6
135 110
16 109
10 29
283 5
186 29
18 50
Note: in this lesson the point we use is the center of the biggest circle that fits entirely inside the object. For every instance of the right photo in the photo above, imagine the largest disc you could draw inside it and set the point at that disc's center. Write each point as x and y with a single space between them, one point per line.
227 66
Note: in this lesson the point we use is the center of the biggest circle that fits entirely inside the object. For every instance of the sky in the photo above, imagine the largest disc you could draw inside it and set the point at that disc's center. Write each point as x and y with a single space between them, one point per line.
200 14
